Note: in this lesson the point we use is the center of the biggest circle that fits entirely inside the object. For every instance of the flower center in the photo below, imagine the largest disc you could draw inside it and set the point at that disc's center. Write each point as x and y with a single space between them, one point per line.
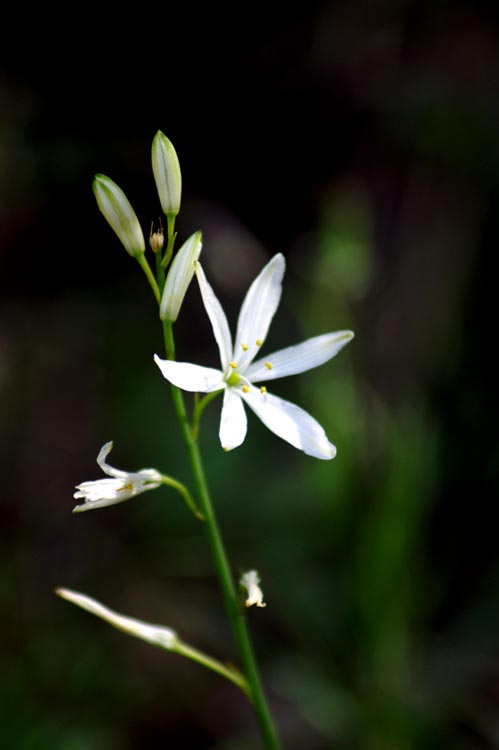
233 379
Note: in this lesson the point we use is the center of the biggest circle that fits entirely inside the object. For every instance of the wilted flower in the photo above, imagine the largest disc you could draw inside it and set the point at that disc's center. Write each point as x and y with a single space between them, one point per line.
238 371
251 582
123 485
155 634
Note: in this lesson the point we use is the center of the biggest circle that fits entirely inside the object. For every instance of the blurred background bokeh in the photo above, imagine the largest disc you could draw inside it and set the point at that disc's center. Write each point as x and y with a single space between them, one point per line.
361 140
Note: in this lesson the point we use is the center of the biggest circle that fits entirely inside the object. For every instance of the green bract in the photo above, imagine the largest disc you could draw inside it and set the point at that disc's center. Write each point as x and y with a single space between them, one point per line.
116 209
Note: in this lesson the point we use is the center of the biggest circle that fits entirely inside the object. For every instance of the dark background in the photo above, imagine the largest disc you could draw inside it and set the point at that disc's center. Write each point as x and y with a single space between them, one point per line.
359 139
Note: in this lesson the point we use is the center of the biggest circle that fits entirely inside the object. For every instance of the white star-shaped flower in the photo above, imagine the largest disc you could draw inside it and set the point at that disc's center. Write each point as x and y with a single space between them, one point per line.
122 486
239 372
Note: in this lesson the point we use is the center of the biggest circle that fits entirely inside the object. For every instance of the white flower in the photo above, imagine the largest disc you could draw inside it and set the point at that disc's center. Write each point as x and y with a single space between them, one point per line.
239 372
155 634
251 582
122 486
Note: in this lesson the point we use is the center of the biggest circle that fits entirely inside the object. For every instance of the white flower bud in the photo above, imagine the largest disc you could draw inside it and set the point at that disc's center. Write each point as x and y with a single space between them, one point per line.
179 277
116 209
155 634
166 168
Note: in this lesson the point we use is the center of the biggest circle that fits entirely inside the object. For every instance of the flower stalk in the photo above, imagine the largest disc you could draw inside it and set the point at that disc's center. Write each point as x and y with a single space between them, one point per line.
236 615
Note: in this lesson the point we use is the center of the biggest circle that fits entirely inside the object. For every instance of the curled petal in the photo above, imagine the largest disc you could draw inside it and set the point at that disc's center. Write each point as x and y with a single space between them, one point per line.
298 358
190 377
233 422
258 309
290 423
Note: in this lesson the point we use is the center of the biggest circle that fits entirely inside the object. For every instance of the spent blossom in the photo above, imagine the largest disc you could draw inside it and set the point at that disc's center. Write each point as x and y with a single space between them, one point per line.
122 486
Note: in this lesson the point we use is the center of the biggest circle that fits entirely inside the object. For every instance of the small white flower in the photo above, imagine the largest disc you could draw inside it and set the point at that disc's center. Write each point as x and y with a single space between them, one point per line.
155 634
251 582
239 372
122 486
179 277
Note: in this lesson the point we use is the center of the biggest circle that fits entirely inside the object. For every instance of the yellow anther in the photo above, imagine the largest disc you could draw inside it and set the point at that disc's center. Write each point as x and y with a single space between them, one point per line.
268 365
126 487
244 347
258 342
263 389
233 365
245 389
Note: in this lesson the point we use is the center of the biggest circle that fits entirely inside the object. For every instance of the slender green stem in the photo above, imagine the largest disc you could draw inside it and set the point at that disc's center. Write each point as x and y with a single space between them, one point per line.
231 673
170 219
149 274
182 489
160 272
199 407
236 614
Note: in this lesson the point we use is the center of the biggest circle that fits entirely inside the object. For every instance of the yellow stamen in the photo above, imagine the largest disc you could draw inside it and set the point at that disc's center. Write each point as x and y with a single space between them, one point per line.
244 347
263 389
126 487
233 365
268 365
258 342
245 389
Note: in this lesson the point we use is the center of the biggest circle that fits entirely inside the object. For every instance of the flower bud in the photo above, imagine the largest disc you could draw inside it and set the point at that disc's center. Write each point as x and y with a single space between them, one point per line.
157 239
167 175
116 209
179 277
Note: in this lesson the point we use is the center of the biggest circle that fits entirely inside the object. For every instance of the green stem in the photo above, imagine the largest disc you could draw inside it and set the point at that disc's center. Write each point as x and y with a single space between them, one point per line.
199 407
236 614
170 219
149 274
182 489
231 673
160 274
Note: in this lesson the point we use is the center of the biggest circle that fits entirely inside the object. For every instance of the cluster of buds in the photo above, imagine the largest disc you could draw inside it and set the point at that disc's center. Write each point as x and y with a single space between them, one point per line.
118 212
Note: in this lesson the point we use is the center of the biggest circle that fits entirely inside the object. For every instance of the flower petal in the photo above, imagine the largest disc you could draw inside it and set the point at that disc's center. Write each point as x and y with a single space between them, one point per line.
233 422
290 423
299 358
101 461
258 309
217 318
190 377
155 634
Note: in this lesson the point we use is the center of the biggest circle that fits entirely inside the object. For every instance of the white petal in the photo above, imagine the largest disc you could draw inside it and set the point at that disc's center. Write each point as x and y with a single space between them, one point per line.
290 423
299 358
155 634
101 461
233 422
190 377
258 309
217 318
